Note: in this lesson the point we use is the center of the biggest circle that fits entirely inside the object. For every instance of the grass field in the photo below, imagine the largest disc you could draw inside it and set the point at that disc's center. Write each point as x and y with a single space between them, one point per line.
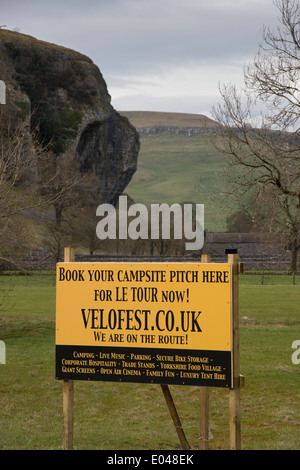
181 168
132 416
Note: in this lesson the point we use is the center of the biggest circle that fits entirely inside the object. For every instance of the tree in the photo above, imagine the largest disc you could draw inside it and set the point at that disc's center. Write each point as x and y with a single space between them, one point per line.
72 195
239 221
264 148
18 158
31 176
60 182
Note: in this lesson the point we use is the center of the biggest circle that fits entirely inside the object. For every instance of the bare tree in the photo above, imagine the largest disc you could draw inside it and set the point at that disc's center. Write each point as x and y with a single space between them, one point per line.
30 177
73 196
60 182
18 158
264 150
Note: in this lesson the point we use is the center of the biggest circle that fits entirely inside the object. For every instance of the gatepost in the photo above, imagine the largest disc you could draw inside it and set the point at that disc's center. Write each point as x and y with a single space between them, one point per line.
68 387
234 392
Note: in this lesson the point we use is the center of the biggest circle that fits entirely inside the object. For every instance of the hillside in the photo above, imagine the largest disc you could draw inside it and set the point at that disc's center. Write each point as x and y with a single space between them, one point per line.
141 119
178 167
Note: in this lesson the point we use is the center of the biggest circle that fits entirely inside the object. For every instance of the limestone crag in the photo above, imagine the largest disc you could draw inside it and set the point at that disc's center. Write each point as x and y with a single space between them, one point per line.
164 130
63 93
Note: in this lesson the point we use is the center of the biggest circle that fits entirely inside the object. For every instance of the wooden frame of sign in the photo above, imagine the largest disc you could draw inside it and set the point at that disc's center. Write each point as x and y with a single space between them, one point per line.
233 382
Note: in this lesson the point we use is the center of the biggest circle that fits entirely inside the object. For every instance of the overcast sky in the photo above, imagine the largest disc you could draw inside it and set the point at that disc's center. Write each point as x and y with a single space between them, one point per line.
155 55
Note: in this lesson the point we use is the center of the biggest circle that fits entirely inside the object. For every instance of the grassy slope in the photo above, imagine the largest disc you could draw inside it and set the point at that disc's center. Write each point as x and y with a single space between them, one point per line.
178 168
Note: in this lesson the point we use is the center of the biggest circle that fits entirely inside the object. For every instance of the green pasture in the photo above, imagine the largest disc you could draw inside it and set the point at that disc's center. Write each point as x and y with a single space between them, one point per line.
180 168
117 416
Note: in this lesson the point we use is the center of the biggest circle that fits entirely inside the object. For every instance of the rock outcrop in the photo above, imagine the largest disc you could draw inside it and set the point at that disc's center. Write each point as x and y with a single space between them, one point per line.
63 93
163 123
164 130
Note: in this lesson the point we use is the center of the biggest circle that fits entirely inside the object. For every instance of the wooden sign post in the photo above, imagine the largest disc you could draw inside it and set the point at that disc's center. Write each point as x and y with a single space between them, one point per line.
238 380
68 387
234 392
204 400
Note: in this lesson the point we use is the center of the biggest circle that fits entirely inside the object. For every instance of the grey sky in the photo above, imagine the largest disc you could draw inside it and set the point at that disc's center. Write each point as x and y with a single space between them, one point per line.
157 55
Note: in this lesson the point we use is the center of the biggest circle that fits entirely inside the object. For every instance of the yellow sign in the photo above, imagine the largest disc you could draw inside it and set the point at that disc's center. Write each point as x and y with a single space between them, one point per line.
186 306
164 307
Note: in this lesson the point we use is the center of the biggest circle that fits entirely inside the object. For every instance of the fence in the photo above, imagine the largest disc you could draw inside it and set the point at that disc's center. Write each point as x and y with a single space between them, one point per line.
270 277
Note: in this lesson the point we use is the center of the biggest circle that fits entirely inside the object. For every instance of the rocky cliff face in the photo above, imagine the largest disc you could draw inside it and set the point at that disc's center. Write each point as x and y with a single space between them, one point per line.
63 93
